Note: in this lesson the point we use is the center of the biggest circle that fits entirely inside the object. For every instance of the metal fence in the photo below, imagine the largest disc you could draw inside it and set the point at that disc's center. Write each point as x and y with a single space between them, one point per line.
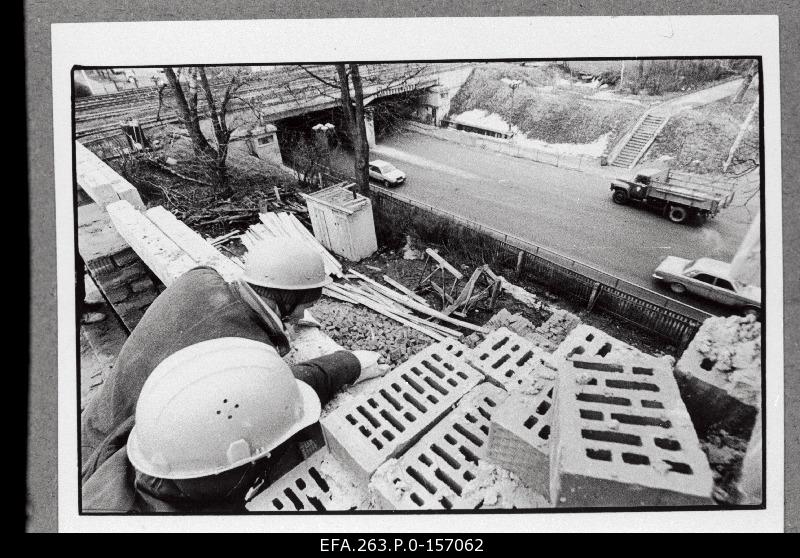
663 316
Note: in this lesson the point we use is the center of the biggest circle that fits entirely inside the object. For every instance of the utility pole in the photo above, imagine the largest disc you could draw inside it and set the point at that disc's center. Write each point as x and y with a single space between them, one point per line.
514 83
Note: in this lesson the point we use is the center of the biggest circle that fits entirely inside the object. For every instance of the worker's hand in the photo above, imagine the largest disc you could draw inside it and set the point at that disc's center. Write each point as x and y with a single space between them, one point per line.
369 365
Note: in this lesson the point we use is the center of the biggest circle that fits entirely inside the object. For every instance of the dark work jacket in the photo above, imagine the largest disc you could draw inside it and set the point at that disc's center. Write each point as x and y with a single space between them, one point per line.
199 306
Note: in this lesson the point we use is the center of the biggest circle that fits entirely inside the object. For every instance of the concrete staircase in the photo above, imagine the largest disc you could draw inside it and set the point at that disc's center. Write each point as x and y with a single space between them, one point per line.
639 140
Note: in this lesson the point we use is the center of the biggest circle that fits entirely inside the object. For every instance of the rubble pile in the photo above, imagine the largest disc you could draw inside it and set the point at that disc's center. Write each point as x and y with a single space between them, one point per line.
546 336
357 327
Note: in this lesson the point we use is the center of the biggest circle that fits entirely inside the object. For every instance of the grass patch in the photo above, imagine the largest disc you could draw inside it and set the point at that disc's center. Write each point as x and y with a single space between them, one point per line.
563 116
700 139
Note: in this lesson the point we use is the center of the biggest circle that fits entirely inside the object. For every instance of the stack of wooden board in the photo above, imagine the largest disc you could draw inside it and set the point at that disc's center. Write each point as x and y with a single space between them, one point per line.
398 304
286 225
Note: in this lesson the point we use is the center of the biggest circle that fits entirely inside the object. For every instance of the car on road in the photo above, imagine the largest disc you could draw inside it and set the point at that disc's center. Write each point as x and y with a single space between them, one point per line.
386 173
708 278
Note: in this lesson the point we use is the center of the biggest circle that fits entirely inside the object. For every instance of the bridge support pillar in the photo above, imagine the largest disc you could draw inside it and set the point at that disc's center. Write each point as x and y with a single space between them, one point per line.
369 125
434 105
263 143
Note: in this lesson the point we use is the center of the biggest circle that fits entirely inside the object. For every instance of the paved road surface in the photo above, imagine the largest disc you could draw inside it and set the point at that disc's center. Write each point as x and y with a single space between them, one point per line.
567 211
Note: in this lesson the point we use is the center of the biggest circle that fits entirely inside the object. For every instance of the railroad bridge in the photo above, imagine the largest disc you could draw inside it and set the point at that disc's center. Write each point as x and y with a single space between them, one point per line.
271 97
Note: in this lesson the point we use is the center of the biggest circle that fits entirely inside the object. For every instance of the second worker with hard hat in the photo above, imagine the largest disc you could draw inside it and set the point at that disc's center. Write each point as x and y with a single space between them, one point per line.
200 404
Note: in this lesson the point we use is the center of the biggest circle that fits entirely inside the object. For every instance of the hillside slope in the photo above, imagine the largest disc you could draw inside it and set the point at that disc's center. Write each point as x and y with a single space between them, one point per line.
547 106
700 139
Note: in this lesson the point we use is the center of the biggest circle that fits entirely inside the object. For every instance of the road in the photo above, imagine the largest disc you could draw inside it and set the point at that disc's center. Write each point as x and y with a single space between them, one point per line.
567 211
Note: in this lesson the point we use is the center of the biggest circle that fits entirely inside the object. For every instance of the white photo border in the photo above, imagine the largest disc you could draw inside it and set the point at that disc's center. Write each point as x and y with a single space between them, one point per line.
255 42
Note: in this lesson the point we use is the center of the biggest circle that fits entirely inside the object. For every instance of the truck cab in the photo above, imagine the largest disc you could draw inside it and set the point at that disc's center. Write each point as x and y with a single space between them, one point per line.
636 187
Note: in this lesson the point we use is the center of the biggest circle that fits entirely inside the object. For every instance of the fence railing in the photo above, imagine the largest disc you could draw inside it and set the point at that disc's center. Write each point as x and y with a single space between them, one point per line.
508 147
598 290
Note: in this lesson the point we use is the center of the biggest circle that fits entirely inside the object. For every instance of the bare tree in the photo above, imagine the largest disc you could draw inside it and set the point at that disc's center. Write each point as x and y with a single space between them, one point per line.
213 157
348 86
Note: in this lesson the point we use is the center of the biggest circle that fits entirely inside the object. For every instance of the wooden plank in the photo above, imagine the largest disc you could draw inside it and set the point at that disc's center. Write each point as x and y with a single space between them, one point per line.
446 297
444 263
284 225
405 290
421 308
293 224
193 244
399 308
385 311
466 292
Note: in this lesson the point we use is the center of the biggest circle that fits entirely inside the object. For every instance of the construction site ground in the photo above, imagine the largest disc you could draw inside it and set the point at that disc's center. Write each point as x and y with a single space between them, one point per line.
358 327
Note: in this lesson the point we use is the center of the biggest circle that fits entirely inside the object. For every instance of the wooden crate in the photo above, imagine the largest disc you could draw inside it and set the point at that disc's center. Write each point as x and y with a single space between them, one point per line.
342 223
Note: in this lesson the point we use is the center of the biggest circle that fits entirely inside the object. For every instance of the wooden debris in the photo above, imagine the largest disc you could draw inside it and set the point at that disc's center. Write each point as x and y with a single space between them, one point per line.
286 225
414 305
439 265
444 263
405 290
222 239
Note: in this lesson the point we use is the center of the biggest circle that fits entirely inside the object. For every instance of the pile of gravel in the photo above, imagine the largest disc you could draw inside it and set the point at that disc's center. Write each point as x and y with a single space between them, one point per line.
357 327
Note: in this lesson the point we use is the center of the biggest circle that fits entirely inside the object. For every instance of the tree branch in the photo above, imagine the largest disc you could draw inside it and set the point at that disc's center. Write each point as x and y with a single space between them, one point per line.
321 80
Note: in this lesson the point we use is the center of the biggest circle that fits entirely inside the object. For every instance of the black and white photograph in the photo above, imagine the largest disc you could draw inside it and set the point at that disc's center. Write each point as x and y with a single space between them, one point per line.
398 282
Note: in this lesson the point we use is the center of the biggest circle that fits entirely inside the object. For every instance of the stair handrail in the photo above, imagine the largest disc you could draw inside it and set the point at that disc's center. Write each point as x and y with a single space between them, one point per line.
649 143
614 153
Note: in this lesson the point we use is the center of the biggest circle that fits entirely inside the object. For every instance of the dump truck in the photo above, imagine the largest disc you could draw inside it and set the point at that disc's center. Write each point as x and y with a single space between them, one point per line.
677 196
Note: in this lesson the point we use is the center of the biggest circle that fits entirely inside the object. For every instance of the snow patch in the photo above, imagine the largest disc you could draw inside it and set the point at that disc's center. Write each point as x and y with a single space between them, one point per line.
492 121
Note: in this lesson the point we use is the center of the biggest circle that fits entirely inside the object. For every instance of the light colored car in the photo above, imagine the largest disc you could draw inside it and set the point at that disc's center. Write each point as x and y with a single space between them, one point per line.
710 279
386 173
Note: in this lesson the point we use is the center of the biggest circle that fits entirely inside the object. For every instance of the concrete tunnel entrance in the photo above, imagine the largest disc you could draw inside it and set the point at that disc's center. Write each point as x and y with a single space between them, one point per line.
296 135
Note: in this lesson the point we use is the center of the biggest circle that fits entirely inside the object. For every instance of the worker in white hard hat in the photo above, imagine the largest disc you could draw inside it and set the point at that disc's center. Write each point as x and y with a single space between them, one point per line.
199 402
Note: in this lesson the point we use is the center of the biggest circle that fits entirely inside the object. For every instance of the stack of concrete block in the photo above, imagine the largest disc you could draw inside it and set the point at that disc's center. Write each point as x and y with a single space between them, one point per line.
519 438
319 483
621 436
511 362
442 470
114 267
719 373
404 404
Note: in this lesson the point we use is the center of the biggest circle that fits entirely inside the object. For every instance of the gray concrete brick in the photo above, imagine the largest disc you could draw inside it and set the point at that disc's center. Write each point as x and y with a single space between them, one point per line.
141 285
319 483
519 437
589 342
125 257
380 423
719 374
510 361
439 470
118 293
621 436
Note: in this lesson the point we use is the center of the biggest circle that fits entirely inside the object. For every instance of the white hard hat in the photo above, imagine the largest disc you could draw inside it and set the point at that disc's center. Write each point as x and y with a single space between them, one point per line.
285 263
216 405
